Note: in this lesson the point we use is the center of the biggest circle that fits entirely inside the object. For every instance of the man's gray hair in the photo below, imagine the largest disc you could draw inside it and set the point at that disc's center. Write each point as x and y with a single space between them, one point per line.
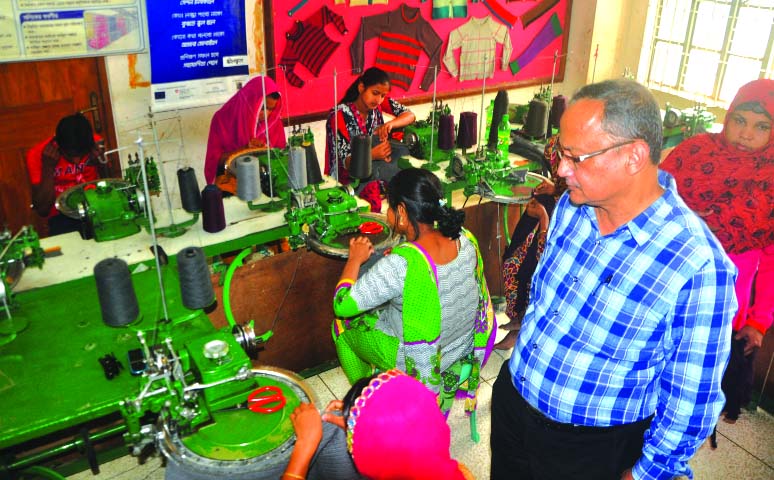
631 112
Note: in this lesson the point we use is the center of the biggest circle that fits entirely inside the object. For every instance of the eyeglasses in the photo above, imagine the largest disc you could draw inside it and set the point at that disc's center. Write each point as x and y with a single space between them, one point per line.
582 158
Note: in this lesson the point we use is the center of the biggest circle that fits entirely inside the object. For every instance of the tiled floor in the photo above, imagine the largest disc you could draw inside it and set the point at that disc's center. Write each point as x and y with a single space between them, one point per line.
745 450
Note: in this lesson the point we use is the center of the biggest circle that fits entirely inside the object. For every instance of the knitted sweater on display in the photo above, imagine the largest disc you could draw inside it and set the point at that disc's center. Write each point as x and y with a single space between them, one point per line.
309 45
477 39
450 9
403 34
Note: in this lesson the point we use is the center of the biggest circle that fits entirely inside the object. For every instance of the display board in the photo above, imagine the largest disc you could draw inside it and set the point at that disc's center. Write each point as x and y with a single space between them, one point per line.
198 52
313 66
48 29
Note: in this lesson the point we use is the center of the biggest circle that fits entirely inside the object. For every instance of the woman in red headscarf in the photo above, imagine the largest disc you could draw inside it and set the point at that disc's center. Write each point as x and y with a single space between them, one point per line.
728 179
242 121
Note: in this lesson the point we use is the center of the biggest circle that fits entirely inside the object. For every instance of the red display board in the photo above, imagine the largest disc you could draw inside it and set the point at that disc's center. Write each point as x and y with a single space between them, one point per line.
545 53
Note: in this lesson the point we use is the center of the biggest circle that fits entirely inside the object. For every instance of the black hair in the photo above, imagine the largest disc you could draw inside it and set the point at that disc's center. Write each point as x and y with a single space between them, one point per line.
372 76
421 193
74 135
274 95
354 391
753 106
631 112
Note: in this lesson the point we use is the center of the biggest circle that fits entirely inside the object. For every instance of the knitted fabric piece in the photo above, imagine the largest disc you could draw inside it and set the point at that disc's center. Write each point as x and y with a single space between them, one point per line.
478 39
309 45
500 12
450 9
536 12
403 35
547 34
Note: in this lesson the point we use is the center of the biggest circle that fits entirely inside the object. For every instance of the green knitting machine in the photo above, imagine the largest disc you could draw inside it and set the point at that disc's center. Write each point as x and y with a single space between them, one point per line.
421 135
169 380
682 124
491 176
17 252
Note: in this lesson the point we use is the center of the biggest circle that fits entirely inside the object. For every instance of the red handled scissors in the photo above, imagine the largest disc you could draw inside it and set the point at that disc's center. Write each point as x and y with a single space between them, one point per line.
259 403
371 228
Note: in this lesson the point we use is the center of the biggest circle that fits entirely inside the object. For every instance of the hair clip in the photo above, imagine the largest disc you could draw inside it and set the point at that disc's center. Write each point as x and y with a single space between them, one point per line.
441 202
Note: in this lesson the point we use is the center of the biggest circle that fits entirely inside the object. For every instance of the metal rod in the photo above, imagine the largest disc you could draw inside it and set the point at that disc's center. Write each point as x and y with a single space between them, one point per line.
432 111
481 119
154 239
65 447
160 168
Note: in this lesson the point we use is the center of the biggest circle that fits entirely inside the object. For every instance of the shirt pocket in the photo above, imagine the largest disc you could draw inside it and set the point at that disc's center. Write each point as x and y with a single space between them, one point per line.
615 324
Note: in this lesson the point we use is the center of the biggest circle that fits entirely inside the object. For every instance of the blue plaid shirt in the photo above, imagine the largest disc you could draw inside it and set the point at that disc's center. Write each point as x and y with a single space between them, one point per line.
631 324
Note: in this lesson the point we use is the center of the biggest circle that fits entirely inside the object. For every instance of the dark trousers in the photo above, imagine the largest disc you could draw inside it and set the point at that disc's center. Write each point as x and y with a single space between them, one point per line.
528 446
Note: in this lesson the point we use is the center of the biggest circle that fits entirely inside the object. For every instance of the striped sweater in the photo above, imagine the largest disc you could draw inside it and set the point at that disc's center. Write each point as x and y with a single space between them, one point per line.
309 45
477 39
403 35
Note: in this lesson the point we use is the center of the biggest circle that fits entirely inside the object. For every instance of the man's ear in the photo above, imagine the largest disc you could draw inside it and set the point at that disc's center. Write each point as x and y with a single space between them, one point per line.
638 157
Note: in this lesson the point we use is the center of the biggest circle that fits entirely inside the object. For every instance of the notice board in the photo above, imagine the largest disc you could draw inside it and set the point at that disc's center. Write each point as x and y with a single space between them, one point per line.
538 32
198 52
48 29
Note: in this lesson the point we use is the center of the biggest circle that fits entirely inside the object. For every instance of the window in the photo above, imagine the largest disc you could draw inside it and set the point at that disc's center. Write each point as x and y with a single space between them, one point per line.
706 49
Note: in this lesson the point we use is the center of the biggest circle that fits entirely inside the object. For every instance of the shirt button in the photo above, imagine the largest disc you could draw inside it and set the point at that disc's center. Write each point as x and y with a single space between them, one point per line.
534 345
523 379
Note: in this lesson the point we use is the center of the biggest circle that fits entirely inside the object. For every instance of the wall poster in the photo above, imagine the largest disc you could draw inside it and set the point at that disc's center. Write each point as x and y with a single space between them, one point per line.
198 52
48 29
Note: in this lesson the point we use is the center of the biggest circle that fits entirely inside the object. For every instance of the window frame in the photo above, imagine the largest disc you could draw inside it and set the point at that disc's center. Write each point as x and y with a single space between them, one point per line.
656 12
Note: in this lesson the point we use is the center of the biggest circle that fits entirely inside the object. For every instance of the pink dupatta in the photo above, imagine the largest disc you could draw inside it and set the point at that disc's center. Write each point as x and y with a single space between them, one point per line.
237 122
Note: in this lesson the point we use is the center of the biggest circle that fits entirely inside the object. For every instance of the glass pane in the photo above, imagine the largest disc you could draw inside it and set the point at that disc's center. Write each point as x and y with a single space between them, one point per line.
674 20
738 72
752 32
711 24
700 72
666 64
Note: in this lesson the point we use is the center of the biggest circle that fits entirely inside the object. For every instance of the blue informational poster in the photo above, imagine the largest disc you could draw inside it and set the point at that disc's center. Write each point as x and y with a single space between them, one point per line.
198 51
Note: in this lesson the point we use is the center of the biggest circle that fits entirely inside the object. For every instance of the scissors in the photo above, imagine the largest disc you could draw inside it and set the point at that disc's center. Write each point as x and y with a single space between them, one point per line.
370 228
259 403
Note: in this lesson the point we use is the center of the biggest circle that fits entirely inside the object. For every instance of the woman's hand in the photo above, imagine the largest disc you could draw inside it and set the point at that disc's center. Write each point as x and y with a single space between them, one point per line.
383 131
382 151
257 142
333 413
545 188
752 337
536 209
360 250
308 426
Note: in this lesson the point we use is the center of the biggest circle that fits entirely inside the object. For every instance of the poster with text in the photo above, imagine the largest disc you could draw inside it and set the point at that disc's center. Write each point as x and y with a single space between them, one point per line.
198 52
48 29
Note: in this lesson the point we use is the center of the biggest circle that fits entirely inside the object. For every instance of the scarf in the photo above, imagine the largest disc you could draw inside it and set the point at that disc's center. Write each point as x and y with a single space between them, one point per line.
395 431
237 122
731 189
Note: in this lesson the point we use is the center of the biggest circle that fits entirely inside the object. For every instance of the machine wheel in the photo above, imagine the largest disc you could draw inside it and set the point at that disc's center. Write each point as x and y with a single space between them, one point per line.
185 452
339 246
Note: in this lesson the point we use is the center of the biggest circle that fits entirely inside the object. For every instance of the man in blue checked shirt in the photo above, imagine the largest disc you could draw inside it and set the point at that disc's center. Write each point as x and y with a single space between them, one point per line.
616 372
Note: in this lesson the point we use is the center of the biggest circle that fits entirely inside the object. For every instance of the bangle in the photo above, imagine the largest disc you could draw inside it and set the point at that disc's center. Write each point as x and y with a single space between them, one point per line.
345 280
543 232
292 475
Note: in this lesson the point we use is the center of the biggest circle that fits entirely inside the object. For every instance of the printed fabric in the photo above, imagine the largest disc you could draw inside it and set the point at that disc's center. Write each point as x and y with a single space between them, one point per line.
477 39
403 35
66 174
346 122
732 190
419 346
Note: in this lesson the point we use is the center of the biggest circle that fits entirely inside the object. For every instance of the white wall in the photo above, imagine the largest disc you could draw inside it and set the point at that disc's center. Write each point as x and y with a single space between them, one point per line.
131 105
